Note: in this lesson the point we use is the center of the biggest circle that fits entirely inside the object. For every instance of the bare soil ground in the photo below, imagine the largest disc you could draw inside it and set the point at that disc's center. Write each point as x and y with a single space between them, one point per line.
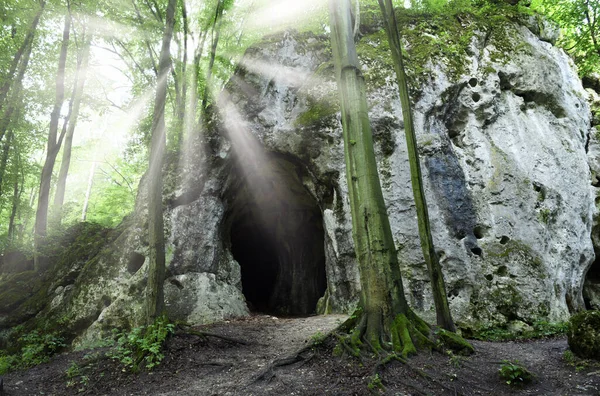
215 366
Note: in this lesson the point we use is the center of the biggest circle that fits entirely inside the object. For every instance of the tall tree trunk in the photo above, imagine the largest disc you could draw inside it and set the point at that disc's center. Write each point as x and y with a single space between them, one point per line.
14 102
444 318
182 101
155 304
195 78
216 28
4 158
80 77
54 142
88 191
23 49
385 310
18 188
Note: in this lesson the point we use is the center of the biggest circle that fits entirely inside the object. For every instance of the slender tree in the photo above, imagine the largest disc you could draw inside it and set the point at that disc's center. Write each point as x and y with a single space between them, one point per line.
23 52
9 104
156 238
54 141
74 105
444 318
215 34
385 314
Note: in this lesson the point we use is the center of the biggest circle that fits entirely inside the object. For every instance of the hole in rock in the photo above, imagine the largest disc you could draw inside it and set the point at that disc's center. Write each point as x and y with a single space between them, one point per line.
277 237
473 82
504 240
476 97
591 287
477 251
135 262
479 232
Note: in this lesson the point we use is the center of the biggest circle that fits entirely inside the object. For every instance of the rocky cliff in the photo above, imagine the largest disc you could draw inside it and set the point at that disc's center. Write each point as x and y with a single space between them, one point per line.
258 215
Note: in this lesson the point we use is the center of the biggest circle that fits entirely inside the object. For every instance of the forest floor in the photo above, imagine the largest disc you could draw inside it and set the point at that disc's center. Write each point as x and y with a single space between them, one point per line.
195 365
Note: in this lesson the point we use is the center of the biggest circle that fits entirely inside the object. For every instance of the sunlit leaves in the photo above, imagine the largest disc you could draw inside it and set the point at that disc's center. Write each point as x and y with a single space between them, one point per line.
578 20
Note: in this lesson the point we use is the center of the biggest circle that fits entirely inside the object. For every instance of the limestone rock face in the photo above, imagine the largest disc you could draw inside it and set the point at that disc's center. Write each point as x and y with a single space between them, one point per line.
503 149
258 215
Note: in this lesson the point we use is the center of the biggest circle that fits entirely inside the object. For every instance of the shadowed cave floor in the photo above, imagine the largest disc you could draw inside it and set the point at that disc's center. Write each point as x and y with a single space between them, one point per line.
194 366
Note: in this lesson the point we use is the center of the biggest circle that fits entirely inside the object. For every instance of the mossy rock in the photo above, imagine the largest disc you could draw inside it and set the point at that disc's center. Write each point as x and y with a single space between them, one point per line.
584 334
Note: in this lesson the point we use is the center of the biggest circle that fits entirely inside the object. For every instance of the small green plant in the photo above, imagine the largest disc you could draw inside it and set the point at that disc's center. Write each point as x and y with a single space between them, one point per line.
375 385
569 356
39 348
514 373
454 360
6 363
142 344
318 338
545 215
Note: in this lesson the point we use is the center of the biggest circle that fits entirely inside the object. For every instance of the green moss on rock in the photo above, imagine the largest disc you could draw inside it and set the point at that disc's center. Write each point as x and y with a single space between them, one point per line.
584 334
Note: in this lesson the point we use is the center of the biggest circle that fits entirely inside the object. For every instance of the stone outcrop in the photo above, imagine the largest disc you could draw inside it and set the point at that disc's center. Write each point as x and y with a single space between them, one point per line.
258 215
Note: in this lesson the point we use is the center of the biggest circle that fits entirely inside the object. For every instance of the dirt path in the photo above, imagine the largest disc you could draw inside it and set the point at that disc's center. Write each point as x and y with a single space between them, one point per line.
269 339
216 366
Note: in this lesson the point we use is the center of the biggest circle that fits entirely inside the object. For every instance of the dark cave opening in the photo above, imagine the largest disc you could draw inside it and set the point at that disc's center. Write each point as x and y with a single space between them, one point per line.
277 237
591 286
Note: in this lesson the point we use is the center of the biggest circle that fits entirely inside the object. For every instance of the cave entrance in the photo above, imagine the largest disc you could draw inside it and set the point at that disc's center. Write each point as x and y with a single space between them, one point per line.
277 237
591 286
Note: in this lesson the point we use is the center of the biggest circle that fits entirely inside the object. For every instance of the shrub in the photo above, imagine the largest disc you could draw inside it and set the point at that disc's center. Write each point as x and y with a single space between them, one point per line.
142 344
514 373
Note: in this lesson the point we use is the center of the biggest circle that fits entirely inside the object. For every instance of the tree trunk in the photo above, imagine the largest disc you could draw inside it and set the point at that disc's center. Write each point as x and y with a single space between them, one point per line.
385 310
14 102
80 76
4 158
25 48
156 238
444 318
17 192
41 217
88 191
216 27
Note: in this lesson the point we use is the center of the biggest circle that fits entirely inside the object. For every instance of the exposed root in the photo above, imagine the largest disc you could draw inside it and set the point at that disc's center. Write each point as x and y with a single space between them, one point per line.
304 355
206 334
401 337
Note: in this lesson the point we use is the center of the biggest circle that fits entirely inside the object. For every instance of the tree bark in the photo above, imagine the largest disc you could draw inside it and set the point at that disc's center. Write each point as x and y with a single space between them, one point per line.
385 310
14 101
4 158
17 192
25 48
88 191
216 27
54 142
155 305
444 318
80 77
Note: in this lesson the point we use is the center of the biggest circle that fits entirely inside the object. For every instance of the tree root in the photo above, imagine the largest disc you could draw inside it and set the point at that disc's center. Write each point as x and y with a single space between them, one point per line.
206 334
268 372
396 339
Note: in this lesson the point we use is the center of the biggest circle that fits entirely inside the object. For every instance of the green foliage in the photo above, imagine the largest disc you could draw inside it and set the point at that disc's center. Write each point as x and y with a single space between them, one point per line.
76 377
540 329
142 344
39 347
318 338
375 384
514 373
580 37
454 360
6 362
35 347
